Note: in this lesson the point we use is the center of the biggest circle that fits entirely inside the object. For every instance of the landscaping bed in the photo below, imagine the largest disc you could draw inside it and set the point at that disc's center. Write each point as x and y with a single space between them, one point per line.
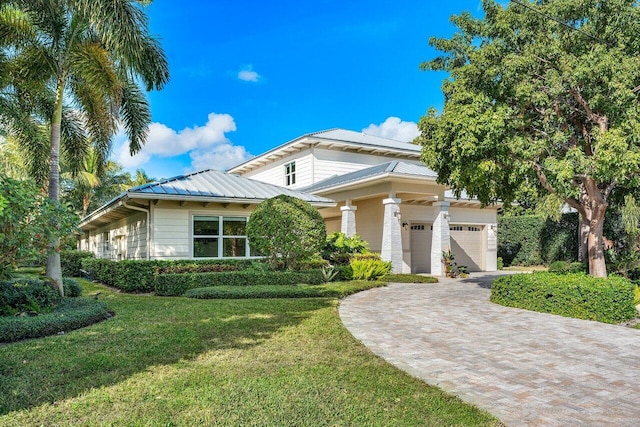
609 300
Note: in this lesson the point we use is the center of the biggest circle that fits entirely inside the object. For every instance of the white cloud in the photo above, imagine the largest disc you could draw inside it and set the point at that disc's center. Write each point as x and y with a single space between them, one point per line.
394 128
248 75
201 142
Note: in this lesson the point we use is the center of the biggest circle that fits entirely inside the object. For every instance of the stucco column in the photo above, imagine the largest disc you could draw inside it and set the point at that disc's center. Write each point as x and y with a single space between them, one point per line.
440 237
492 247
348 220
391 236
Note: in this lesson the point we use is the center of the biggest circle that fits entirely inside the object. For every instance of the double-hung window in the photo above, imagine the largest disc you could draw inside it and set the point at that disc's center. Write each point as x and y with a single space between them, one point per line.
290 173
220 236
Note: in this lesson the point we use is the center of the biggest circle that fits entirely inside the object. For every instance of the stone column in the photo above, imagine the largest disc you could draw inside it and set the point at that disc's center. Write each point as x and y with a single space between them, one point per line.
348 220
391 236
440 237
491 263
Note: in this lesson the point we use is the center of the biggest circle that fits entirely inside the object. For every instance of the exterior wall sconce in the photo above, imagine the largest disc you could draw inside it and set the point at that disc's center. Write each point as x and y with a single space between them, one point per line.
405 226
398 215
493 227
446 216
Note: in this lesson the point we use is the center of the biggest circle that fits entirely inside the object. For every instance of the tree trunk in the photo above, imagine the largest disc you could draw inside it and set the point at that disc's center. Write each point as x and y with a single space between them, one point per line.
86 201
597 264
583 239
54 269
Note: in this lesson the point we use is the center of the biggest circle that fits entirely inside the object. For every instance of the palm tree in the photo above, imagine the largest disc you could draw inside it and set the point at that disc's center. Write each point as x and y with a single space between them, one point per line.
89 55
141 178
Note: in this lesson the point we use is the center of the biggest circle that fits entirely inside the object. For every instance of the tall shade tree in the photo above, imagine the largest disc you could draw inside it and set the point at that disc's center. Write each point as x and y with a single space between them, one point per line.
89 57
541 93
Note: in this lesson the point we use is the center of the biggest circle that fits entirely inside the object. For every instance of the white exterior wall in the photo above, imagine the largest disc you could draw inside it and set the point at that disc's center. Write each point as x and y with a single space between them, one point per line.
369 220
329 163
172 227
133 231
273 173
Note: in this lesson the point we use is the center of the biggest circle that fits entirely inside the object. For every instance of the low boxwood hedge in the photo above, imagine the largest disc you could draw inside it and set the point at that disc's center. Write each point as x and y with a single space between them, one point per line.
178 284
71 262
408 278
329 290
72 313
576 295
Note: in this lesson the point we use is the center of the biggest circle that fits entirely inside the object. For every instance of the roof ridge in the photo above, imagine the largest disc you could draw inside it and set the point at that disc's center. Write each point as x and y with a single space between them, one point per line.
167 180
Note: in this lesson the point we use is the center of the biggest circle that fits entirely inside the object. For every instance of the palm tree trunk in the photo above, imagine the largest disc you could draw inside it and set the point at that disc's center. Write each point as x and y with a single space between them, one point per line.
54 268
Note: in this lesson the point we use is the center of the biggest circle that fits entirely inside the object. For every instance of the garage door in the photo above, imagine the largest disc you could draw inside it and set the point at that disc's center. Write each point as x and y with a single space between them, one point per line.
420 248
466 245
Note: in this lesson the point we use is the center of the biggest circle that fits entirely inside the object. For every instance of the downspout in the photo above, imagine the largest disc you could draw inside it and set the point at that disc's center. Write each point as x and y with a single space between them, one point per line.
136 208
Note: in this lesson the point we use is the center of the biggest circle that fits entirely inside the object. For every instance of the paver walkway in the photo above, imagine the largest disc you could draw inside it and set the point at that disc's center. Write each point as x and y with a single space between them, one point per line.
526 368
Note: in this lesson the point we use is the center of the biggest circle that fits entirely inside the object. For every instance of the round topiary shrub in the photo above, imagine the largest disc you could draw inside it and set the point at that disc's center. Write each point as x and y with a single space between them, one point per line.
287 230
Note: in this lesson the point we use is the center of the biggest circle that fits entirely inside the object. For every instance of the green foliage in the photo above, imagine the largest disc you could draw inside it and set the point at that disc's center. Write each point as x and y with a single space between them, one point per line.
29 223
338 248
329 290
500 263
329 273
71 262
531 240
287 230
140 275
530 103
178 284
345 272
72 313
408 278
572 295
563 267
27 296
369 269
636 295
72 288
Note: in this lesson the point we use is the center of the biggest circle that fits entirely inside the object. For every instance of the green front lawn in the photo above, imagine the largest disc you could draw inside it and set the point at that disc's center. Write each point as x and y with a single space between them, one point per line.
180 361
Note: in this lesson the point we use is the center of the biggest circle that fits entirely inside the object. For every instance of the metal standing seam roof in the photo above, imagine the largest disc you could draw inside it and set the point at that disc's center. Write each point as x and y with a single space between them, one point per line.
343 135
217 184
394 167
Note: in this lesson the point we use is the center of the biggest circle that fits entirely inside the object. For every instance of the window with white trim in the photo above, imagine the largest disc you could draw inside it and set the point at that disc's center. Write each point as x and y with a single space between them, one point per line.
220 237
290 173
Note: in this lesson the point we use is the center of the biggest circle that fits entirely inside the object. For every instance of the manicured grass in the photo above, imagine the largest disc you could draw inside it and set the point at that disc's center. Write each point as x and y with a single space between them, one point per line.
180 361
408 278
333 289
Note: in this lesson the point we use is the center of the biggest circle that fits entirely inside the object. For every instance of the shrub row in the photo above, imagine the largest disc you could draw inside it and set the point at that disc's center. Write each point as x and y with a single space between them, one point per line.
563 267
330 290
73 313
408 278
71 262
607 300
27 295
178 284
139 275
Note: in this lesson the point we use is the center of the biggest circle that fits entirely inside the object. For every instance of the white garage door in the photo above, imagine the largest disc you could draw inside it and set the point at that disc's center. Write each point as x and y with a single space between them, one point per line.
420 248
466 245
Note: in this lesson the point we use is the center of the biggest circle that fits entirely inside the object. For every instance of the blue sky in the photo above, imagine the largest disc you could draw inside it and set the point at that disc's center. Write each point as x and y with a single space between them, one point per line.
248 76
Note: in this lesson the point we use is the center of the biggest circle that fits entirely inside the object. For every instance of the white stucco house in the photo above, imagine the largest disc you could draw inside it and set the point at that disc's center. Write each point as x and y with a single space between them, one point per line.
364 184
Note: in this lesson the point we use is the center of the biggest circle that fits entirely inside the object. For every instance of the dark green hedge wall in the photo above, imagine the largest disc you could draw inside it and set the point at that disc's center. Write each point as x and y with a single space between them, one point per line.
531 240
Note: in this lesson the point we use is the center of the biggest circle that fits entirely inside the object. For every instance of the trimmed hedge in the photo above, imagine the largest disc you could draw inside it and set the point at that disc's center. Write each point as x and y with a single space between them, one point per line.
71 262
571 295
178 284
563 267
408 278
72 313
330 290
531 240
139 275
72 289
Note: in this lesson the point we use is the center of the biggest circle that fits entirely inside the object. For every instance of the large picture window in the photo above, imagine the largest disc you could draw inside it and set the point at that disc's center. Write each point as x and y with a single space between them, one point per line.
220 237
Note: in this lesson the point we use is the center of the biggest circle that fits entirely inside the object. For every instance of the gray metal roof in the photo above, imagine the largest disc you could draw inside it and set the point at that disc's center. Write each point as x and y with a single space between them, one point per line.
217 184
348 137
362 138
395 167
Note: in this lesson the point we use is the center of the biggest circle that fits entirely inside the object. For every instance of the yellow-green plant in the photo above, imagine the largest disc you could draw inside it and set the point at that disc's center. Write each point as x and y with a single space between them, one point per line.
369 269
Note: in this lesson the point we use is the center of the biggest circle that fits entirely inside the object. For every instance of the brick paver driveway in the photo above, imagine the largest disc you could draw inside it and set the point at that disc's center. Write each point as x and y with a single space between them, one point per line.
526 368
